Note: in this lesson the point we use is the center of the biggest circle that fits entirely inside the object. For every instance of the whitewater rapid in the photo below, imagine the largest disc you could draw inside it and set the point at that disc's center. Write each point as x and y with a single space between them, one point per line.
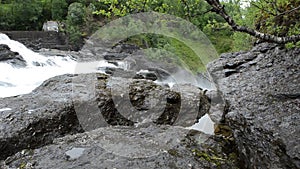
16 81
22 80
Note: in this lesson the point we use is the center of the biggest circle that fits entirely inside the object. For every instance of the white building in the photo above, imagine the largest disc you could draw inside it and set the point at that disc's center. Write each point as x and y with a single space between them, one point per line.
51 26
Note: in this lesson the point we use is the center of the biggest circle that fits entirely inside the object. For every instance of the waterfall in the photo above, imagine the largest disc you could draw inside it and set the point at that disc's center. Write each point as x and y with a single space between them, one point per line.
22 80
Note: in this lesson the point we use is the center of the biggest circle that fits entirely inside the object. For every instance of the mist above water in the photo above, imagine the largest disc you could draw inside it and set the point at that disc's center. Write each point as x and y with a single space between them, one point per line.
182 76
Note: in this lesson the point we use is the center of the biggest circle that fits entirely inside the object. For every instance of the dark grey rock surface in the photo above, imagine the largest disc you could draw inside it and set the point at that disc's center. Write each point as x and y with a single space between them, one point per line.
37 118
126 147
13 58
71 104
262 88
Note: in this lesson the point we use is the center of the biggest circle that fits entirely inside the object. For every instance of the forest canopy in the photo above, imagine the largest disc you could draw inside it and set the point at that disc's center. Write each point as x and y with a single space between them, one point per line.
81 18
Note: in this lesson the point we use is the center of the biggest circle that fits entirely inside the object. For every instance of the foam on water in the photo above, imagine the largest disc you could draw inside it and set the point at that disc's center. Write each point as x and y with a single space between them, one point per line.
16 81
29 56
75 153
24 80
205 124
5 109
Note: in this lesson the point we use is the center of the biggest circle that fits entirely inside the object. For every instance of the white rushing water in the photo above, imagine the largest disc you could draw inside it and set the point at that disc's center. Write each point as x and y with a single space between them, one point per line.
5 109
205 124
22 80
16 81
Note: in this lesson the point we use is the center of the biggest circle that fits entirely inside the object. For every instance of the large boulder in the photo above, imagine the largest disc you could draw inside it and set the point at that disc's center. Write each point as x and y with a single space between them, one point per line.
35 119
262 87
71 104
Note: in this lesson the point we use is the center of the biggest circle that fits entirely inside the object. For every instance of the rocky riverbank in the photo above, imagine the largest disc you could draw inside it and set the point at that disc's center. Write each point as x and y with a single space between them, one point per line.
78 121
262 89
37 121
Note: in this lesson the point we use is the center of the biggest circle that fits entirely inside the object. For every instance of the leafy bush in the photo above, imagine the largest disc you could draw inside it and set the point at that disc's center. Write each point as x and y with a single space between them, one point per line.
21 15
75 37
75 19
168 50
76 14
58 9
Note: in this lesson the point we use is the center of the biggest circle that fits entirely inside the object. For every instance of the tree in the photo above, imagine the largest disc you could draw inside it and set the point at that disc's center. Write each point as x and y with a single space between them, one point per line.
75 20
27 14
218 8
58 9
76 14
195 11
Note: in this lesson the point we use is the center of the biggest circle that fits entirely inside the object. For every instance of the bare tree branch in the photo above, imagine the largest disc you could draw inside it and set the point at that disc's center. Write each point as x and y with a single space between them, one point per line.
201 13
219 9
289 11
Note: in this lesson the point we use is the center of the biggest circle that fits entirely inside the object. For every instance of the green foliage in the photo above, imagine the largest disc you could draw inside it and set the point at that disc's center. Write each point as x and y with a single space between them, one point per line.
30 14
196 11
21 15
76 14
32 11
241 41
168 50
74 34
58 9
83 17
91 24
75 19
279 17
209 156
219 33
189 9
6 16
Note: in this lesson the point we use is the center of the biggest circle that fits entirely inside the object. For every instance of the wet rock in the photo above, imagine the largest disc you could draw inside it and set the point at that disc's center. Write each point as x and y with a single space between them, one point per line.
126 48
265 47
114 63
38 64
37 40
229 72
110 70
263 105
115 56
140 100
146 75
10 57
161 73
70 104
37 118
129 147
